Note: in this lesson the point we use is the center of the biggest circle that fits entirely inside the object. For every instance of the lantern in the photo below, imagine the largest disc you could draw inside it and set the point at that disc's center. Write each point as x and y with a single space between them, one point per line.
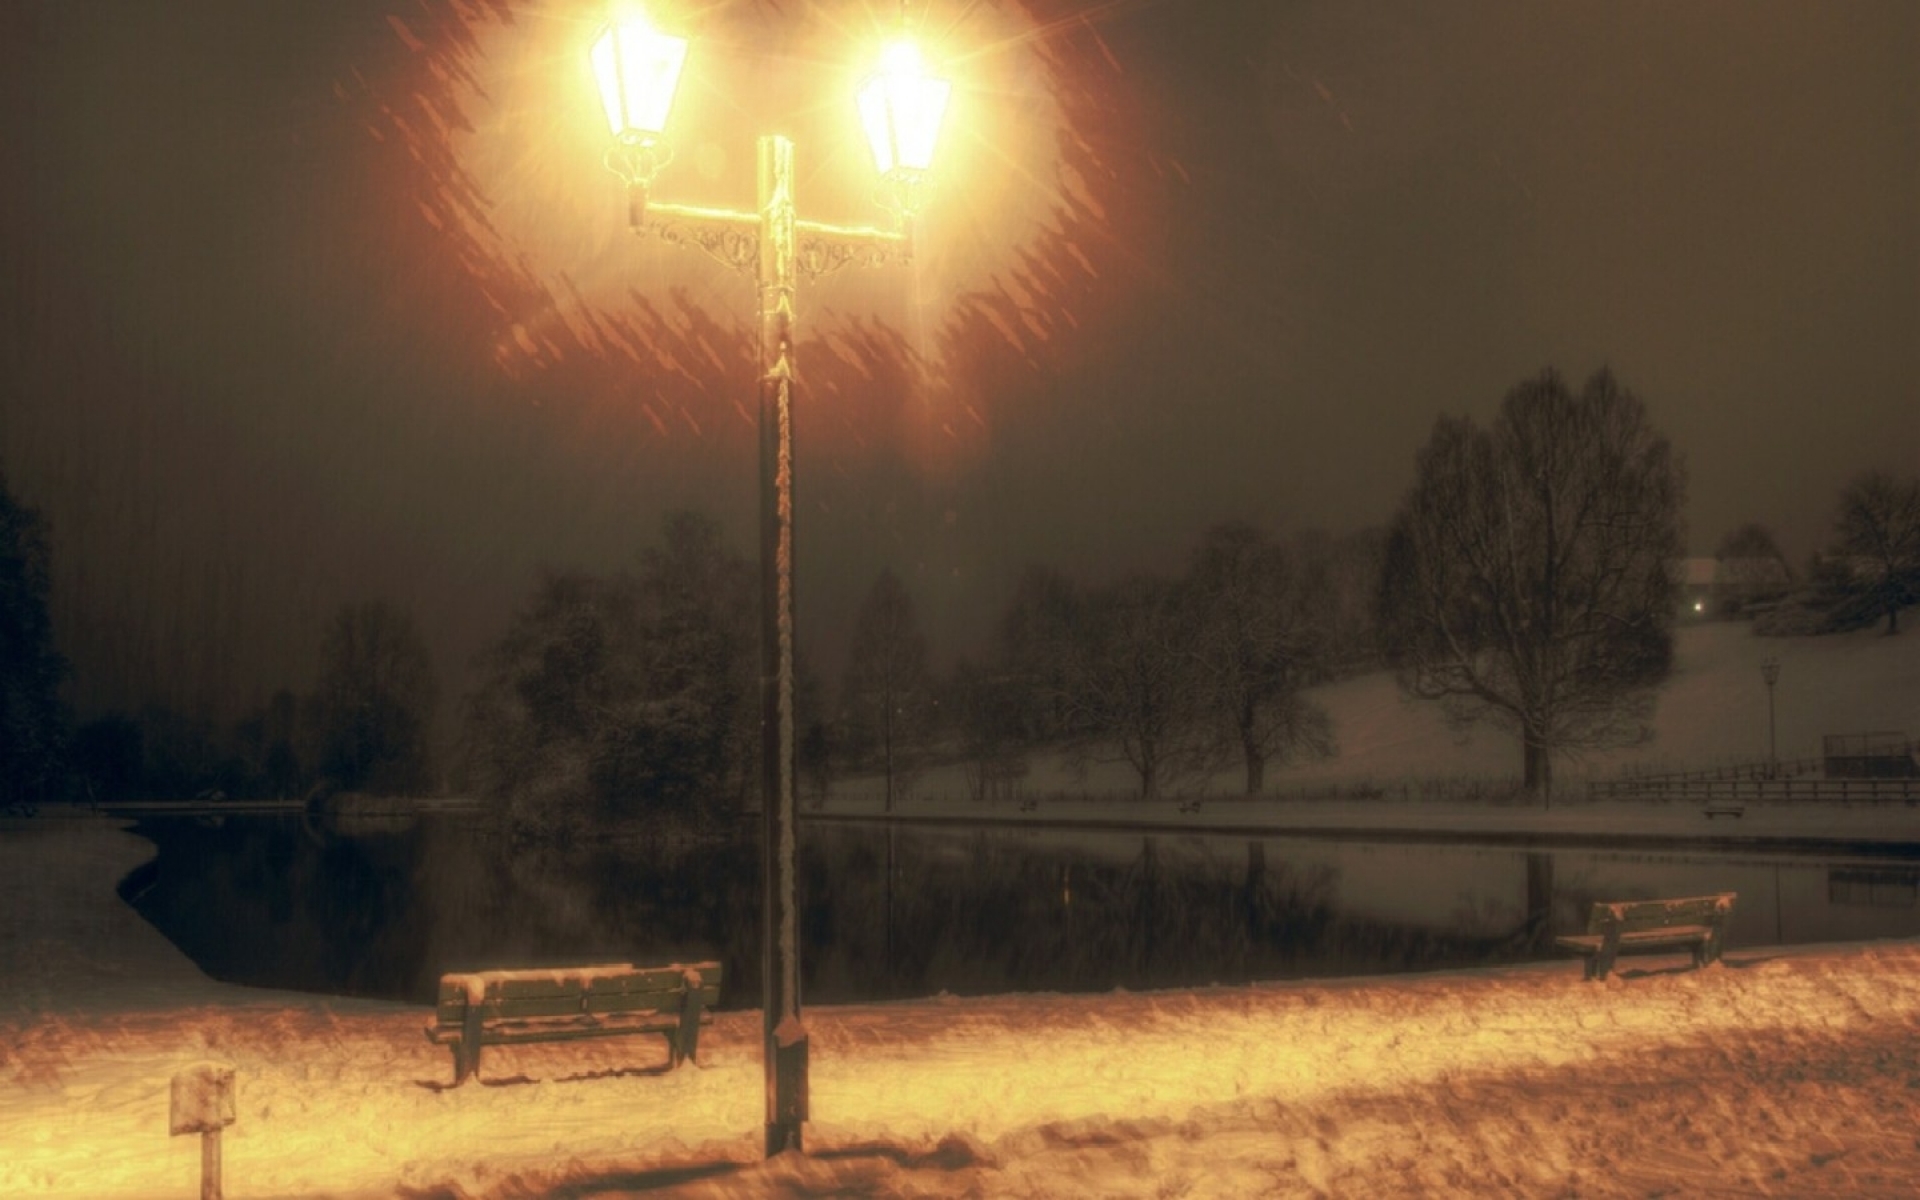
638 68
901 107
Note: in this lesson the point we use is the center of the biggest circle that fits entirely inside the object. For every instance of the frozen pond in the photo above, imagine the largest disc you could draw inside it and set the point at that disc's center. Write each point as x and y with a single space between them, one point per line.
382 911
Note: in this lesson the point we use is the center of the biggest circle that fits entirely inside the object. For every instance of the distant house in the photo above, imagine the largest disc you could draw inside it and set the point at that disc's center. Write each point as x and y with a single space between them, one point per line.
1695 577
1712 588
1742 583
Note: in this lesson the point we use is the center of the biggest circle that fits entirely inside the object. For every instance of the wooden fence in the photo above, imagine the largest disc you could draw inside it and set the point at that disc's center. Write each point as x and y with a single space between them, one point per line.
1771 791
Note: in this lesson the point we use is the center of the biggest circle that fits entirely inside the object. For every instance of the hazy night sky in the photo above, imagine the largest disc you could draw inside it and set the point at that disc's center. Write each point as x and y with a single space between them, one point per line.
322 302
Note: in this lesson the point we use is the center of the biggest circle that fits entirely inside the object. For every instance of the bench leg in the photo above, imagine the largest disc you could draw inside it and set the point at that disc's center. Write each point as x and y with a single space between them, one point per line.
1603 961
685 1041
466 1051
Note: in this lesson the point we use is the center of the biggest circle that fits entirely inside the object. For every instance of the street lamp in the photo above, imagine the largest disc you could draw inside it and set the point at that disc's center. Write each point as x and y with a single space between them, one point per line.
638 68
1770 671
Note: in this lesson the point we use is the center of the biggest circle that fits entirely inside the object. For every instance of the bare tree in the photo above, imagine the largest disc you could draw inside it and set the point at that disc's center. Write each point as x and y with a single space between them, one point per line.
1877 525
1337 578
1036 650
1256 647
1528 579
983 704
888 692
1134 681
374 703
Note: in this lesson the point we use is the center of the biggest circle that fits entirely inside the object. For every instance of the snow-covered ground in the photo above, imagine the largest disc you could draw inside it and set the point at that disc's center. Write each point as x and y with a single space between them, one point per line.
1779 1072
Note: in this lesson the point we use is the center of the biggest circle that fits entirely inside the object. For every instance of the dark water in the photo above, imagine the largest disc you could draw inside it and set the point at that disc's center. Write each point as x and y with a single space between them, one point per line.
384 911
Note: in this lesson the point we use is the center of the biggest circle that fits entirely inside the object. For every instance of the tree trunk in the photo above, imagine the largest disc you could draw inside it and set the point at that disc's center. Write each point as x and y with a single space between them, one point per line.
1538 759
1254 896
1250 750
886 726
1539 923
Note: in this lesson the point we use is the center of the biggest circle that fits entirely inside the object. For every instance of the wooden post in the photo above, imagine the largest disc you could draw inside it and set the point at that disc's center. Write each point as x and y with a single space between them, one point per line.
203 1104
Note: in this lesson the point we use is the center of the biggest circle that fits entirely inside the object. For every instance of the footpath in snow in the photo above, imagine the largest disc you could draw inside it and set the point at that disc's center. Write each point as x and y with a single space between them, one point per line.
1778 1072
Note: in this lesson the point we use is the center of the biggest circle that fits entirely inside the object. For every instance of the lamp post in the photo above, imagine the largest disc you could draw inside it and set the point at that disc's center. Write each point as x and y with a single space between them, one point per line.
638 68
1770 671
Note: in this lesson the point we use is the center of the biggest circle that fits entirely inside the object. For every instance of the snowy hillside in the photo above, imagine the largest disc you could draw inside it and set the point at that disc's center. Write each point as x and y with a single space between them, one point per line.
1711 713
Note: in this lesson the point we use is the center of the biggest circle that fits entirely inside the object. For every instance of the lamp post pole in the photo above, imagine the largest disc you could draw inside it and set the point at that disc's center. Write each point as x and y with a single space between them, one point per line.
786 1040
638 69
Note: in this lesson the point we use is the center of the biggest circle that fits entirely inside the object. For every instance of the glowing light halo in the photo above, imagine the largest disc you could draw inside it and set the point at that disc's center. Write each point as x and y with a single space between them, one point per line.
517 126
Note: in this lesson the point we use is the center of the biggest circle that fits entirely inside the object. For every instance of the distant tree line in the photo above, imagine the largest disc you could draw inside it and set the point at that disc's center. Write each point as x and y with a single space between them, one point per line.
363 726
1526 580
1175 675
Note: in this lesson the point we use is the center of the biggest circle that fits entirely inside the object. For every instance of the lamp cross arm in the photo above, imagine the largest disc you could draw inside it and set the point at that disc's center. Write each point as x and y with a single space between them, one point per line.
823 249
733 238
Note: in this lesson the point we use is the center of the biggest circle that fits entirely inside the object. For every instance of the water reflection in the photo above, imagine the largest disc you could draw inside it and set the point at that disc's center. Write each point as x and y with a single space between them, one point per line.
887 913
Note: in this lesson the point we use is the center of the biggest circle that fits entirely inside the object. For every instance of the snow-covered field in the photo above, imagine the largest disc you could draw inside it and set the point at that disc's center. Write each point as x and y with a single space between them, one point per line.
1712 712
1787 1073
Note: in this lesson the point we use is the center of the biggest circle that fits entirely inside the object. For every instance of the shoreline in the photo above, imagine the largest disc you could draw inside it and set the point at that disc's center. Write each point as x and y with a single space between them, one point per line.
1882 829
1865 844
1791 1070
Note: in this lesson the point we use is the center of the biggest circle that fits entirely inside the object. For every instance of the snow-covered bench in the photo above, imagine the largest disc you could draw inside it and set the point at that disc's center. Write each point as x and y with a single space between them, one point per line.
1696 923
490 1008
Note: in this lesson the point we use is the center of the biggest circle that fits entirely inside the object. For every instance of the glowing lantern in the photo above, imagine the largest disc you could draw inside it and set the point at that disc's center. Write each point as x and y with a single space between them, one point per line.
901 107
638 68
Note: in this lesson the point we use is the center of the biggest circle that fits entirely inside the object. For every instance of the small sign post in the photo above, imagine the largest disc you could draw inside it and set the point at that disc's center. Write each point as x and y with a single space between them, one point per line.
203 1104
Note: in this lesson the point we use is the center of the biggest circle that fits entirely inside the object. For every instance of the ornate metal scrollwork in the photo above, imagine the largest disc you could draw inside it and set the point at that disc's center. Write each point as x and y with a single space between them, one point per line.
733 238
735 245
822 254
638 159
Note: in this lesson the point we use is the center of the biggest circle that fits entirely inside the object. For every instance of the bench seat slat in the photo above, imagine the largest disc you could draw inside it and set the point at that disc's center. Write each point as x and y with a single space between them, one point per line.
543 986
556 1027
509 1031
454 1012
1683 935
511 1008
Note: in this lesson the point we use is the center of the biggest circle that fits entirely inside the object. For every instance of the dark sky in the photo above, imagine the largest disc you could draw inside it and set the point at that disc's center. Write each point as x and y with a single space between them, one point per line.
315 303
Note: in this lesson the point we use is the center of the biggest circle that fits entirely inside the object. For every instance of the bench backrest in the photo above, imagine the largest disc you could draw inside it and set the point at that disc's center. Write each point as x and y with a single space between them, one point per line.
1632 916
558 991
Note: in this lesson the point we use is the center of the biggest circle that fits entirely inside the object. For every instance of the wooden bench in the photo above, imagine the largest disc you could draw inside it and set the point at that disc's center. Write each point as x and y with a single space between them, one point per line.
490 1008
1697 924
